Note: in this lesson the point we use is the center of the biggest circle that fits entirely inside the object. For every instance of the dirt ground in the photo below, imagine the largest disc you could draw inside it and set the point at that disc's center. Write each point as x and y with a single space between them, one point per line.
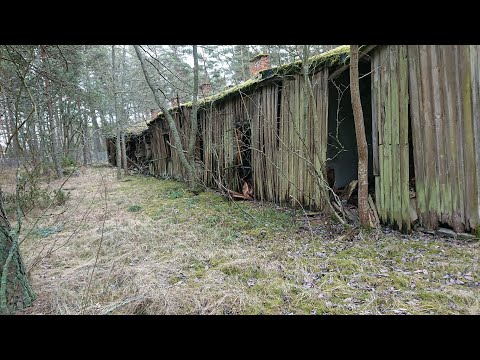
148 246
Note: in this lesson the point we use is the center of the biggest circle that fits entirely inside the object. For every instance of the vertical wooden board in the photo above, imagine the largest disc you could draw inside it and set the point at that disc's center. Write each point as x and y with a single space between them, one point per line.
475 84
471 209
387 138
275 139
262 129
380 54
291 142
438 121
273 142
283 143
303 141
395 123
319 132
301 138
253 145
257 146
324 130
294 128
309 151
211 136
416 104
387 142
444 61
266 144
375 111
281 152
459 132
403 138
448 77
431 177
298 161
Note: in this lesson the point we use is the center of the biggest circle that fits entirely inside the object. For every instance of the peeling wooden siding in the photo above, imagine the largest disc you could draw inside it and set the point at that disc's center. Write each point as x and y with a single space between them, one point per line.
390 134
289 141
440 87
446 122
222 129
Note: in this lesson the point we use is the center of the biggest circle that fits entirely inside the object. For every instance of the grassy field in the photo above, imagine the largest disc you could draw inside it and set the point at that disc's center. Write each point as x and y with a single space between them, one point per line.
148 246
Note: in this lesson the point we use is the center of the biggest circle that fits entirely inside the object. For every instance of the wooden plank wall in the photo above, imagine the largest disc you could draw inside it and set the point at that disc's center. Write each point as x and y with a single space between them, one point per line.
223 152
163 145
444 87
390 134
289 141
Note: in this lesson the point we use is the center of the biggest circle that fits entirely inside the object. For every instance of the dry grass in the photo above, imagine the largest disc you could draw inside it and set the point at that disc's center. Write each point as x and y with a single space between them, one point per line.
167 251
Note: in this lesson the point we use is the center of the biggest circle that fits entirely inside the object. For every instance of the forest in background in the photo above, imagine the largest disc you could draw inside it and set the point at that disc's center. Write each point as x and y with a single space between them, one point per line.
58 102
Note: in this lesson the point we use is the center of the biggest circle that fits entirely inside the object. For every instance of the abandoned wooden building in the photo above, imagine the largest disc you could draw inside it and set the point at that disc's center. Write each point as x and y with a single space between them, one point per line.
278 133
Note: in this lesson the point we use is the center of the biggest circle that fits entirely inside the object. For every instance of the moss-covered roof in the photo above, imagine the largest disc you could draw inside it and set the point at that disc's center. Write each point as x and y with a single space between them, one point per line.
332 58
132 129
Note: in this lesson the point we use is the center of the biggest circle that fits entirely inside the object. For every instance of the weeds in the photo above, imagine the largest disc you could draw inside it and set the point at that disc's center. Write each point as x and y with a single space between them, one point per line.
176 253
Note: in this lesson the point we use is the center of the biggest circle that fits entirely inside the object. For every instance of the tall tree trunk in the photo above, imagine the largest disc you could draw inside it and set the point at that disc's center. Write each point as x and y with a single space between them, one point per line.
42 152
193 120
85 142
363 208
123 112
32 142
51 120
15 290
97 147
171 123
117 117
8 132
52 136
15 152
58 125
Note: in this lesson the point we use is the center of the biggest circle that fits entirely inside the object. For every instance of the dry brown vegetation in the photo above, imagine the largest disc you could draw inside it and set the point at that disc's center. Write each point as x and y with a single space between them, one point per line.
165 250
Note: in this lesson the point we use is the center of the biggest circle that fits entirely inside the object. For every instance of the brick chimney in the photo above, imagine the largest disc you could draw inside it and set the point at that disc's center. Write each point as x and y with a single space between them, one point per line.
153 113
205 89
259 63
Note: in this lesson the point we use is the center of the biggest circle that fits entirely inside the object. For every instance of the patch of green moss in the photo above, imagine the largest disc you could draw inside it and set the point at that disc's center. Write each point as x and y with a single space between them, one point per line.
134 208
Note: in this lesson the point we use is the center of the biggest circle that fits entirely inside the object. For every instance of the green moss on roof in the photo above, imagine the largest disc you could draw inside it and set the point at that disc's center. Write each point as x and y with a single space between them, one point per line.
335 57
242 87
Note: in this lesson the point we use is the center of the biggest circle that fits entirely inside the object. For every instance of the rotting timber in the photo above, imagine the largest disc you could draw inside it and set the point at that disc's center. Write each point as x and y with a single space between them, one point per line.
269 136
